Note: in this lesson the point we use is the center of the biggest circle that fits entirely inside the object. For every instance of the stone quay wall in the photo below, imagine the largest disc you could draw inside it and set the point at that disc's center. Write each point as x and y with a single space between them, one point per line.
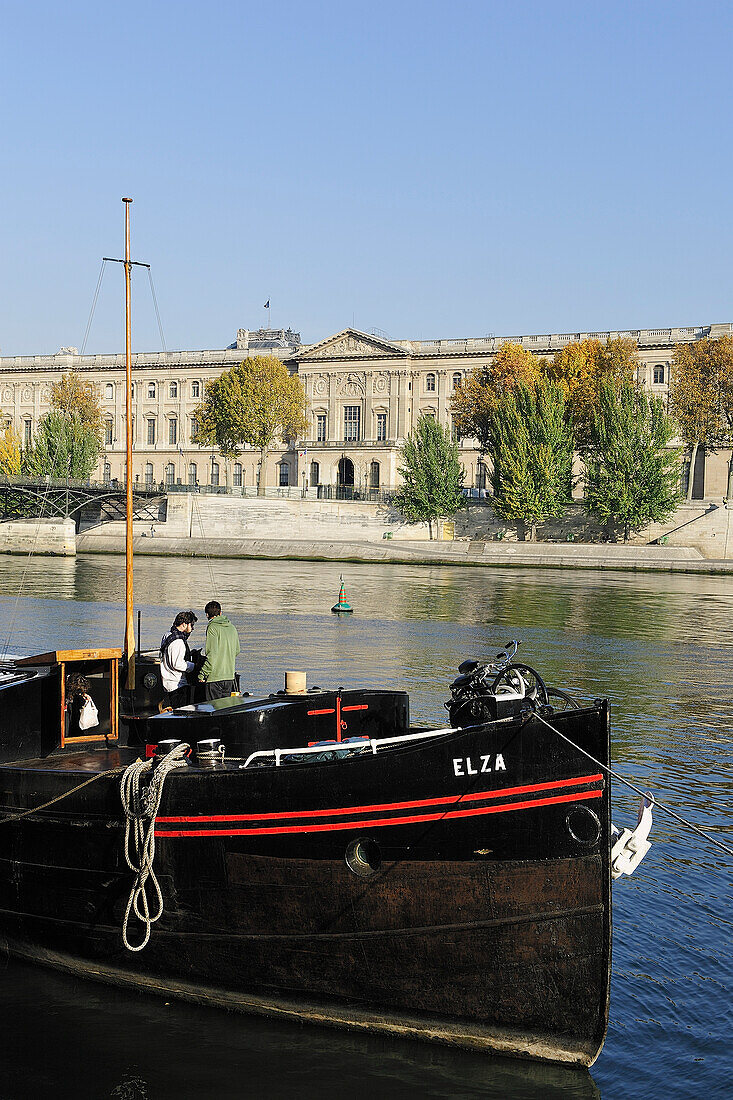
230 526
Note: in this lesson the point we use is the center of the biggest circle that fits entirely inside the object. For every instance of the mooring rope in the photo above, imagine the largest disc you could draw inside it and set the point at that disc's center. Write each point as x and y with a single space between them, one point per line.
141 809
60 797
637 790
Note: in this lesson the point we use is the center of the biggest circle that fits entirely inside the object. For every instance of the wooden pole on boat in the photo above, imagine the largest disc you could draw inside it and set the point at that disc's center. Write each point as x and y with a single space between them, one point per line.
129 624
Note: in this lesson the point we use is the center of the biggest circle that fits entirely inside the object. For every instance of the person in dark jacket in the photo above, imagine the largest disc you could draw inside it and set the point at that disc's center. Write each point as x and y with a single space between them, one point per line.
177 662
222 647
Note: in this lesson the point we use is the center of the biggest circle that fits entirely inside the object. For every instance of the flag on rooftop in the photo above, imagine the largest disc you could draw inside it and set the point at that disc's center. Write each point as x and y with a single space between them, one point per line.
267 304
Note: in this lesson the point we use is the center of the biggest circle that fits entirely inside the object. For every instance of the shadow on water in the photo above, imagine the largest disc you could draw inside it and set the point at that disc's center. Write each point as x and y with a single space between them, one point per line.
102 1042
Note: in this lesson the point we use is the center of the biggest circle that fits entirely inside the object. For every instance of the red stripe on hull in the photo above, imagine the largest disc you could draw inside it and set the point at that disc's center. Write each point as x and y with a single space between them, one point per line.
382 822
450 800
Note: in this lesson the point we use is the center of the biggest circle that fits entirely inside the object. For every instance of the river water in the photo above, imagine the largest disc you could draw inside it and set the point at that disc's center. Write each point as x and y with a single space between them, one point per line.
659 646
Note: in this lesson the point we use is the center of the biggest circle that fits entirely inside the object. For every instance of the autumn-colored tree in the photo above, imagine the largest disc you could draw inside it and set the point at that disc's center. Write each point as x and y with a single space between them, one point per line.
701 399
632 474
532 452
432 474
582 366
10 452
475 399
74 396
257 402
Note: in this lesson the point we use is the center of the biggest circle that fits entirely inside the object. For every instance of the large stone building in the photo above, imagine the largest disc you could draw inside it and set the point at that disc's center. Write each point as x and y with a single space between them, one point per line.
365 393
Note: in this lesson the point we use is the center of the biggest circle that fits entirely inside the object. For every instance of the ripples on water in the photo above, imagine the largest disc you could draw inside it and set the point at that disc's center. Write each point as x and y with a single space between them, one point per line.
658 645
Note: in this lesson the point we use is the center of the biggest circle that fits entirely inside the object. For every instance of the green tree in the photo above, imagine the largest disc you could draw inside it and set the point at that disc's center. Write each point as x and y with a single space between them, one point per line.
532 453
258 402
63 446
432 475
475 399
632 474
701 399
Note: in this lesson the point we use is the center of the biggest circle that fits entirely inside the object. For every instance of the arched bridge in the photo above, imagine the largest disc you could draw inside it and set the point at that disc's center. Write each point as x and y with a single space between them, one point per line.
29 498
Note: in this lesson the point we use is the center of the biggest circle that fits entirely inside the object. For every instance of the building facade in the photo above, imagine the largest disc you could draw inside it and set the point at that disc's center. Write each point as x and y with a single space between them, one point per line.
365 394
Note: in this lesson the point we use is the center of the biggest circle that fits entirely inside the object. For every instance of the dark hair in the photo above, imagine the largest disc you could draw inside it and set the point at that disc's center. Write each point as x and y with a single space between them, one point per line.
76 684
185 617
212 608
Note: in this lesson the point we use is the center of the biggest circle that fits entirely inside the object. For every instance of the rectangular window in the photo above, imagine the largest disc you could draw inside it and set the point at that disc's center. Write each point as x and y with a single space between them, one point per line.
27 430
659 374
352 423
381 426
151 432
194 428
237 475
321 427
108 429
173 431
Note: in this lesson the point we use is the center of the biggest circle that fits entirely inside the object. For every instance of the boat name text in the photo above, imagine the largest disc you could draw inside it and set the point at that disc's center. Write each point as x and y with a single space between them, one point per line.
464 765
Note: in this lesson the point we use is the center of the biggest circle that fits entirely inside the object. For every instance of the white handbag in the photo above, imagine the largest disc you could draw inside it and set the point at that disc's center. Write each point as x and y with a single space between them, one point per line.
89 716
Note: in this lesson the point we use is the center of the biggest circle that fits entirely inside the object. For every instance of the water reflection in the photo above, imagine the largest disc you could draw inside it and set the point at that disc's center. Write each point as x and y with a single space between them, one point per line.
130 1047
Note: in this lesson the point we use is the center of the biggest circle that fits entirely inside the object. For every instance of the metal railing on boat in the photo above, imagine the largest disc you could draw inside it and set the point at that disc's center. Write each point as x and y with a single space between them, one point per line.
372 743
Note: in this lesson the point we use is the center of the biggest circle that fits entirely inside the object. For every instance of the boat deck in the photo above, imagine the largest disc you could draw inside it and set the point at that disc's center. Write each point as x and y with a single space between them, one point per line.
84 762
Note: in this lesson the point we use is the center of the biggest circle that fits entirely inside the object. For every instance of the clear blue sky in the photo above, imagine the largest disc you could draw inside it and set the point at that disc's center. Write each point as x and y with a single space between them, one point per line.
433 169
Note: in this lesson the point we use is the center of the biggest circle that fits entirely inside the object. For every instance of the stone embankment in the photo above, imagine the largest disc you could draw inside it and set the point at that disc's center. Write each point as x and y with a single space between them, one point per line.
699 538
226 526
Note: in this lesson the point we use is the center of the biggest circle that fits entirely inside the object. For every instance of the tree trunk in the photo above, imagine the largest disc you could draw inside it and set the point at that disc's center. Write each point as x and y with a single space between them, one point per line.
430 530
691 470
261 472
729 491
533 532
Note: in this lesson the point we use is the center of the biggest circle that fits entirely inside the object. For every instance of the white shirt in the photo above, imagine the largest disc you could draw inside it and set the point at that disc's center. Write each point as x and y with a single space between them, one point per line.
174 666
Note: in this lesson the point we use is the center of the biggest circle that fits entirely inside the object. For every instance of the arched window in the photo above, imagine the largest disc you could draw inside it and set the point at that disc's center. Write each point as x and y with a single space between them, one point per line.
284 478
193 473
480 475
109 392
173 389
132 390
430 383
345 472
659 374
237 475
456 380
148 475
195 389
151 389
374 475
215 473
170 474
107 473
315 474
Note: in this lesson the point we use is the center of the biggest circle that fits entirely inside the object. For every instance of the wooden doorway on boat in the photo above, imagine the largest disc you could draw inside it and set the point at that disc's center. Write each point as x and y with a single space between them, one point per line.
100 668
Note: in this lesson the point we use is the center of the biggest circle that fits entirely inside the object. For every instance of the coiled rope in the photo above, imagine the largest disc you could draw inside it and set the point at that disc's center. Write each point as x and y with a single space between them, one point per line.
141 809
637 790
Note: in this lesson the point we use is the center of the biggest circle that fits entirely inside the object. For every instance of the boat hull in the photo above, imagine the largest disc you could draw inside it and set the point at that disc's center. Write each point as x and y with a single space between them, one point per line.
480 916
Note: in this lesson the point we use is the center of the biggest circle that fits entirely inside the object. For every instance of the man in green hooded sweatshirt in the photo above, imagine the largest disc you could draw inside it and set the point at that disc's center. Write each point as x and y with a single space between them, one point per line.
222 647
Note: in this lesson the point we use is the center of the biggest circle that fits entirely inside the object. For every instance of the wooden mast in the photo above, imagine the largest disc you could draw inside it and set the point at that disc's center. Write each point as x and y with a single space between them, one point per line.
129 648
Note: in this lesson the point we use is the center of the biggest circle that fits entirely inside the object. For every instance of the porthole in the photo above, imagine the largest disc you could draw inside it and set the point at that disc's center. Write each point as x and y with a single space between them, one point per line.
150 680
363 857
583 825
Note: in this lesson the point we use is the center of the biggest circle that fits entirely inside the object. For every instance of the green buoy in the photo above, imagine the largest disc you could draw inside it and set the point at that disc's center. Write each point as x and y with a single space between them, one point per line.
342 607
